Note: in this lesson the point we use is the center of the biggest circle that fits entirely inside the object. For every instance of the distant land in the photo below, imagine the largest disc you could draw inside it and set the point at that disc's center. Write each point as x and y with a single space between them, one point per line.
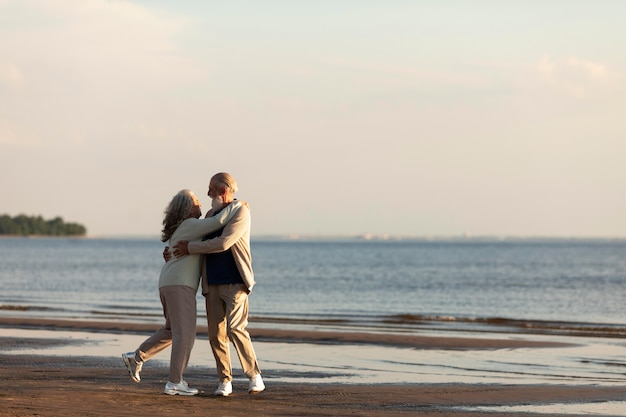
23 225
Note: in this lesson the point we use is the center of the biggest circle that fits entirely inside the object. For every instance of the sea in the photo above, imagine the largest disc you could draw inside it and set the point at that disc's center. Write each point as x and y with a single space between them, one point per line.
569 291
565 286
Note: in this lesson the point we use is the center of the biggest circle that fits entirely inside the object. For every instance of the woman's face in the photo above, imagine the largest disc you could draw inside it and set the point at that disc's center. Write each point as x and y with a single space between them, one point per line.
195 210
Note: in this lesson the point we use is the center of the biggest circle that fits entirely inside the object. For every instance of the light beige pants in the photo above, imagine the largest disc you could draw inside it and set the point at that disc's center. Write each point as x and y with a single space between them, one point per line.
227 317
179 331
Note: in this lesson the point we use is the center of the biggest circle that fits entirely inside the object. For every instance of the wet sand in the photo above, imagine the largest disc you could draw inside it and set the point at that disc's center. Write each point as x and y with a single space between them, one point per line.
46 384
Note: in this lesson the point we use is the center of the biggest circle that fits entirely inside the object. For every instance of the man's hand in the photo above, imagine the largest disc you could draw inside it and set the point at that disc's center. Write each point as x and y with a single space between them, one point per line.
181 248
167 255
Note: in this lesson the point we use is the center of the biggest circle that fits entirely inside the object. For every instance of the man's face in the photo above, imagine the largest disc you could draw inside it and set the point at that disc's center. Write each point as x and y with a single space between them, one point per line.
217 201
213 190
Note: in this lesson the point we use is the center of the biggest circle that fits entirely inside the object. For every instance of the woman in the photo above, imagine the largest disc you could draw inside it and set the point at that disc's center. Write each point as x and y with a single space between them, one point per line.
178 285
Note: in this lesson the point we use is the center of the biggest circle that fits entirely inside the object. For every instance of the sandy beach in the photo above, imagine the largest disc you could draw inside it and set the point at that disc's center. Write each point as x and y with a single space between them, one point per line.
47 373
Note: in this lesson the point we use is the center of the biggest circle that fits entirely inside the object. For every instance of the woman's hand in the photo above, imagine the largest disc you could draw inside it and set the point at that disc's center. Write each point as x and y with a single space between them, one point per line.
167 255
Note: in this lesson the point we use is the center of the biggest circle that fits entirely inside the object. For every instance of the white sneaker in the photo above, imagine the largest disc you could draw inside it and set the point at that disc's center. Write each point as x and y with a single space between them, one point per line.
133 366
256 384
224 389
182 388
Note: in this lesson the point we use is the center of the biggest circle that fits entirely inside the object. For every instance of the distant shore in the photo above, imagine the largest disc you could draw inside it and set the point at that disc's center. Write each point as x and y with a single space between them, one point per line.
362 238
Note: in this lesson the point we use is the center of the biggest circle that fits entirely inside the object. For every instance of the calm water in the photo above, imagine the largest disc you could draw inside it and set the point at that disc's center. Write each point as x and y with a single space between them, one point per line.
564 285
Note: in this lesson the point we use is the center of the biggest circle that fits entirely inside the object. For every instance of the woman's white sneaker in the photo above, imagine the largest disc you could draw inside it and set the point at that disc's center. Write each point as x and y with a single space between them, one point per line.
182 388
133 366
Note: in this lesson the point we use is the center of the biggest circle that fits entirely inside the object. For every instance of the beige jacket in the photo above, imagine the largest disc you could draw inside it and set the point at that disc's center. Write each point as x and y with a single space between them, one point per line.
235 236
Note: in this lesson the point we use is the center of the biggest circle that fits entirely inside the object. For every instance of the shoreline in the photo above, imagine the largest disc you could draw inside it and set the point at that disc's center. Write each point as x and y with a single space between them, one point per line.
45 382
296 336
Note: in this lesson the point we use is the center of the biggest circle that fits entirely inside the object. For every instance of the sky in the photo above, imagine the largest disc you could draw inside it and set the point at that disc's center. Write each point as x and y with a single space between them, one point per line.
336 118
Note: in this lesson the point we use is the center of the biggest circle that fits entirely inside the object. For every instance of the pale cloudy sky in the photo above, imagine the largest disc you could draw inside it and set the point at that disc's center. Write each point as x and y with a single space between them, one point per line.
400 117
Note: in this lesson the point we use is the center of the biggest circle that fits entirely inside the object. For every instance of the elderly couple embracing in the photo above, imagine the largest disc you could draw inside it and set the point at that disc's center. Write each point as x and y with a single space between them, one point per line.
214 250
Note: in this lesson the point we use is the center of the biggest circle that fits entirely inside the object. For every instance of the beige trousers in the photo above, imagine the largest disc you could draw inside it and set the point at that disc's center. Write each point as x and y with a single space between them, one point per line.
227 317
179 331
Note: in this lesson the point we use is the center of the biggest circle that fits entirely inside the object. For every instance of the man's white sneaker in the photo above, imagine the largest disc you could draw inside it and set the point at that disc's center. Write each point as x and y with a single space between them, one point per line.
224 389
256 384
182 388
132 365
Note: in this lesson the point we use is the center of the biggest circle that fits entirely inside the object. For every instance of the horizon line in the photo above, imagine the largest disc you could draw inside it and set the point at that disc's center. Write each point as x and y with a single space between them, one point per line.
387 237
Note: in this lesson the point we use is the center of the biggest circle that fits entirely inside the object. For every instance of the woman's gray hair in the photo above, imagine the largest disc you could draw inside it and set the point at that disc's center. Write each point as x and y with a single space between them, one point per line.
224 179
177 210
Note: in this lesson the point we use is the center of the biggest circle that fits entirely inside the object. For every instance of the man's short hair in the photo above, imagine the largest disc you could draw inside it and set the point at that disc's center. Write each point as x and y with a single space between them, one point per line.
225 180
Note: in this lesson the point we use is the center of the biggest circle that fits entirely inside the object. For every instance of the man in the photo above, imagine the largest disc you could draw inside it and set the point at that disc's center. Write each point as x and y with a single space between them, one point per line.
227 279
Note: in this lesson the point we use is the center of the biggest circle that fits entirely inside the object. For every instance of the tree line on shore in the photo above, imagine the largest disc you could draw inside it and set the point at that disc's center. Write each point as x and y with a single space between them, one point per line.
23 225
